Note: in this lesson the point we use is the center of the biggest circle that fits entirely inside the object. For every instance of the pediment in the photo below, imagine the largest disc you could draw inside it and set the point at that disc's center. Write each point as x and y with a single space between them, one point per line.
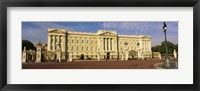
146 37
108 34
57 31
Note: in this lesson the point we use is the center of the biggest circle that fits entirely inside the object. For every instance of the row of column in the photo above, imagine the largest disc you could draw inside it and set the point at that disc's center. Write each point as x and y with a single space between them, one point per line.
52 43
108 43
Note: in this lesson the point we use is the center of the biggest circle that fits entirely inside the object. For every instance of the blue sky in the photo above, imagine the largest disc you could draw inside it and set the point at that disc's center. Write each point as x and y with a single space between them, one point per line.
37 31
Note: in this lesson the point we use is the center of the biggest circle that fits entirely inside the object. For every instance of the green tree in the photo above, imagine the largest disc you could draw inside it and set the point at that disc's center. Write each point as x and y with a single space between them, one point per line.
162 48
28 45
156 48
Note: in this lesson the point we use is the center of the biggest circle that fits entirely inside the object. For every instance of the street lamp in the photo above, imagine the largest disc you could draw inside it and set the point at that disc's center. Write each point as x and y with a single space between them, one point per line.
138 44
167 64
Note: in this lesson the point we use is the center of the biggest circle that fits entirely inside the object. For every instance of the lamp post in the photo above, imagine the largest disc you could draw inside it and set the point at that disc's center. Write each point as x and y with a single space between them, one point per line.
138 44
167 64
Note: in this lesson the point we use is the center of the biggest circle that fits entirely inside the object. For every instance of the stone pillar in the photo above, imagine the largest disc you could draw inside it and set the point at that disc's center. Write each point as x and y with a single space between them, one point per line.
106 44
54 42
100 44
63 43
38 54
149 45
109 44
115 45
49 43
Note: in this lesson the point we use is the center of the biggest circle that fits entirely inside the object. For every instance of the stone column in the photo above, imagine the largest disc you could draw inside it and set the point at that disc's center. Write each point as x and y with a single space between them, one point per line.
38 54
106 44
99 43
49 43
63 43
54 41
149 45
115 46
109 44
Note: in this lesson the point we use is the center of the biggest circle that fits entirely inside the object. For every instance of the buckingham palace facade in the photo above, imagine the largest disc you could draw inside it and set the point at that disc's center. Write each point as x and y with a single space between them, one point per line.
104 44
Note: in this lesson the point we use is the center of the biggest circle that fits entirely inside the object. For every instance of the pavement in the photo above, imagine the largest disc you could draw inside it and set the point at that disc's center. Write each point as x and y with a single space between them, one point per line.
109 64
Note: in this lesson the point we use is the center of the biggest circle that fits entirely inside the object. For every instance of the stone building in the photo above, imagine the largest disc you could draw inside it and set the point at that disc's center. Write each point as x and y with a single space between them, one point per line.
104 44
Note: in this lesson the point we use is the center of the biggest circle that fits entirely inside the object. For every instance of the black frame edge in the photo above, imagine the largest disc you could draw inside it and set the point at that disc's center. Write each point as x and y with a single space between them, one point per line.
196 48
3 49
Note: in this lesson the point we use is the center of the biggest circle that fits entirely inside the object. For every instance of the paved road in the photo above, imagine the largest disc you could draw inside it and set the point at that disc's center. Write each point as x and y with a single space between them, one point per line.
131 64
